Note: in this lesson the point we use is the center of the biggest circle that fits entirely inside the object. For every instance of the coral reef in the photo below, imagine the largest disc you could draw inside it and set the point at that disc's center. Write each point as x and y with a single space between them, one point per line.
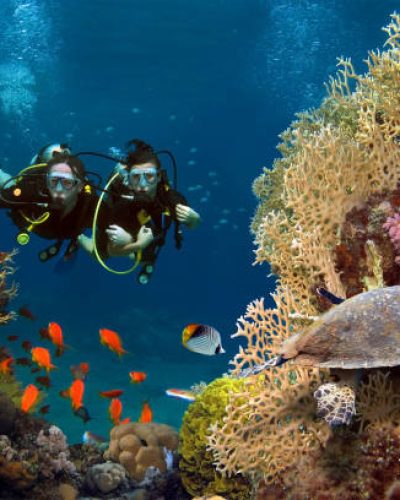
328 217
138 446
6 294
54 452
32 457
349 147
105 477
271 421
16 469
7 414
351 466
198 474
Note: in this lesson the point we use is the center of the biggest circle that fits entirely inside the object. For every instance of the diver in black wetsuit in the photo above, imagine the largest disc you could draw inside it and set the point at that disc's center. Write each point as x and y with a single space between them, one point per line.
52 200
141 208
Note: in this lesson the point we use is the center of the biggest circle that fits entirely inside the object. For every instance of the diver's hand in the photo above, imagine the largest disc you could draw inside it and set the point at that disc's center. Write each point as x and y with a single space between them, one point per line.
187 215
145 237
118 236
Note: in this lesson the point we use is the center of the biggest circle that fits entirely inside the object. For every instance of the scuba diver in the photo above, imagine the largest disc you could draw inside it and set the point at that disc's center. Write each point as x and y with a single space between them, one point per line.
52 199
141 208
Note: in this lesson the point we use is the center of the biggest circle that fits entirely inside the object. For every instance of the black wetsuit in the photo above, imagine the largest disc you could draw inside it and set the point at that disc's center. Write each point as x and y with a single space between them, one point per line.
131 215
55 227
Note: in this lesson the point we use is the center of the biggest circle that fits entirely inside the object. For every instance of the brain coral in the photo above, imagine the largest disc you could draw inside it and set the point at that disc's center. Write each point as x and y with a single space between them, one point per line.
198 475
138 446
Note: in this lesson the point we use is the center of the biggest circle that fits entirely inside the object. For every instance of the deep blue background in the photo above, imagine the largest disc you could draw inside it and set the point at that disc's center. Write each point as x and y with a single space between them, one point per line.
213 81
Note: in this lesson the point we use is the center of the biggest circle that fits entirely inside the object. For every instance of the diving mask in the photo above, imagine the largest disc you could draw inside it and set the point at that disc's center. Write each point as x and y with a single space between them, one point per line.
61 182
143 177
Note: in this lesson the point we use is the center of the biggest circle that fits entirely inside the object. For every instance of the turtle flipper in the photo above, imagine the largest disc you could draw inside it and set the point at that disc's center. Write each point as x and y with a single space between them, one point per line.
335 403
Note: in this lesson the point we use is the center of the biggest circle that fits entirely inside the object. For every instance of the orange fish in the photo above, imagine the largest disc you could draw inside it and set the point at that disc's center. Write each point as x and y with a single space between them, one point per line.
80 371
29 397
112 340
146 415
115 410
41 356
137 377
56 336
5 365
125 420
111 394
76 393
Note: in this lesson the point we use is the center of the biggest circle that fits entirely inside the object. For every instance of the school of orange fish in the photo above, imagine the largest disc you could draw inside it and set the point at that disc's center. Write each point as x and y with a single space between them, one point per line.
41 360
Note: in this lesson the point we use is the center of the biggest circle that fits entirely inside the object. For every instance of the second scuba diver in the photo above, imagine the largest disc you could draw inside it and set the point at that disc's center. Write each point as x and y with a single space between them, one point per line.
141 208
52 199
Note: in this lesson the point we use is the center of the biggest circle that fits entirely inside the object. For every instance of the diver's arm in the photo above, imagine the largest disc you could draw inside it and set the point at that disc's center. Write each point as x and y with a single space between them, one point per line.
187 216
122 243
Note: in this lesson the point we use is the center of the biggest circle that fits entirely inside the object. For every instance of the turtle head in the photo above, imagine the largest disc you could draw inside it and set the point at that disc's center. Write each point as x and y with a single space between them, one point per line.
289 348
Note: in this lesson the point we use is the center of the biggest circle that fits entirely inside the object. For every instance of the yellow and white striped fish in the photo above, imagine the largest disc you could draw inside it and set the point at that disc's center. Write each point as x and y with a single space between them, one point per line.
202 339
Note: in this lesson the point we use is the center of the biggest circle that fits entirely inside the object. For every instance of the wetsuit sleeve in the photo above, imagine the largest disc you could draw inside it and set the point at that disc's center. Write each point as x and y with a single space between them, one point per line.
173 198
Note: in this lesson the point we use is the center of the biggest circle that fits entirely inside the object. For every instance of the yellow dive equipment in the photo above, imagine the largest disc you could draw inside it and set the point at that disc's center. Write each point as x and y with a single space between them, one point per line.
23 237
94 230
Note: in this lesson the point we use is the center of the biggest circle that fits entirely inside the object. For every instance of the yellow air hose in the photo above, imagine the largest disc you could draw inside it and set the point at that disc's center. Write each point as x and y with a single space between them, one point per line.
94 230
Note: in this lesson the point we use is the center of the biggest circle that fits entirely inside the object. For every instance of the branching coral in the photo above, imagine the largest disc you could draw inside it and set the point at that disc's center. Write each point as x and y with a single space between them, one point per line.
319 223
271 422
330 166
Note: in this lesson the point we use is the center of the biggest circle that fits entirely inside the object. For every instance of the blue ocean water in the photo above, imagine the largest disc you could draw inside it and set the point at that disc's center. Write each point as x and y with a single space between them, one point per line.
213 81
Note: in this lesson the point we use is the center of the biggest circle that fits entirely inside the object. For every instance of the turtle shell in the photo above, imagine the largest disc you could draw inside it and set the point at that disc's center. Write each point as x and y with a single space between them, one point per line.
361 332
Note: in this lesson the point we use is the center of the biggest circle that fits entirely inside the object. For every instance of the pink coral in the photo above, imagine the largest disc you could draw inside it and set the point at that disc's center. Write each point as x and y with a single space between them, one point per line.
392 226
54 452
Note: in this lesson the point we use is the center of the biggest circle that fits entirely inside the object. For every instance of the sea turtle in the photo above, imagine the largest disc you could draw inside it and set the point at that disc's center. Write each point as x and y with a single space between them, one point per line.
361 332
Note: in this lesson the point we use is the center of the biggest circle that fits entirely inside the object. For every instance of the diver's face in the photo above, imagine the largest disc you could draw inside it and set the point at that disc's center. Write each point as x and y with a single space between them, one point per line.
63 185
143 179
